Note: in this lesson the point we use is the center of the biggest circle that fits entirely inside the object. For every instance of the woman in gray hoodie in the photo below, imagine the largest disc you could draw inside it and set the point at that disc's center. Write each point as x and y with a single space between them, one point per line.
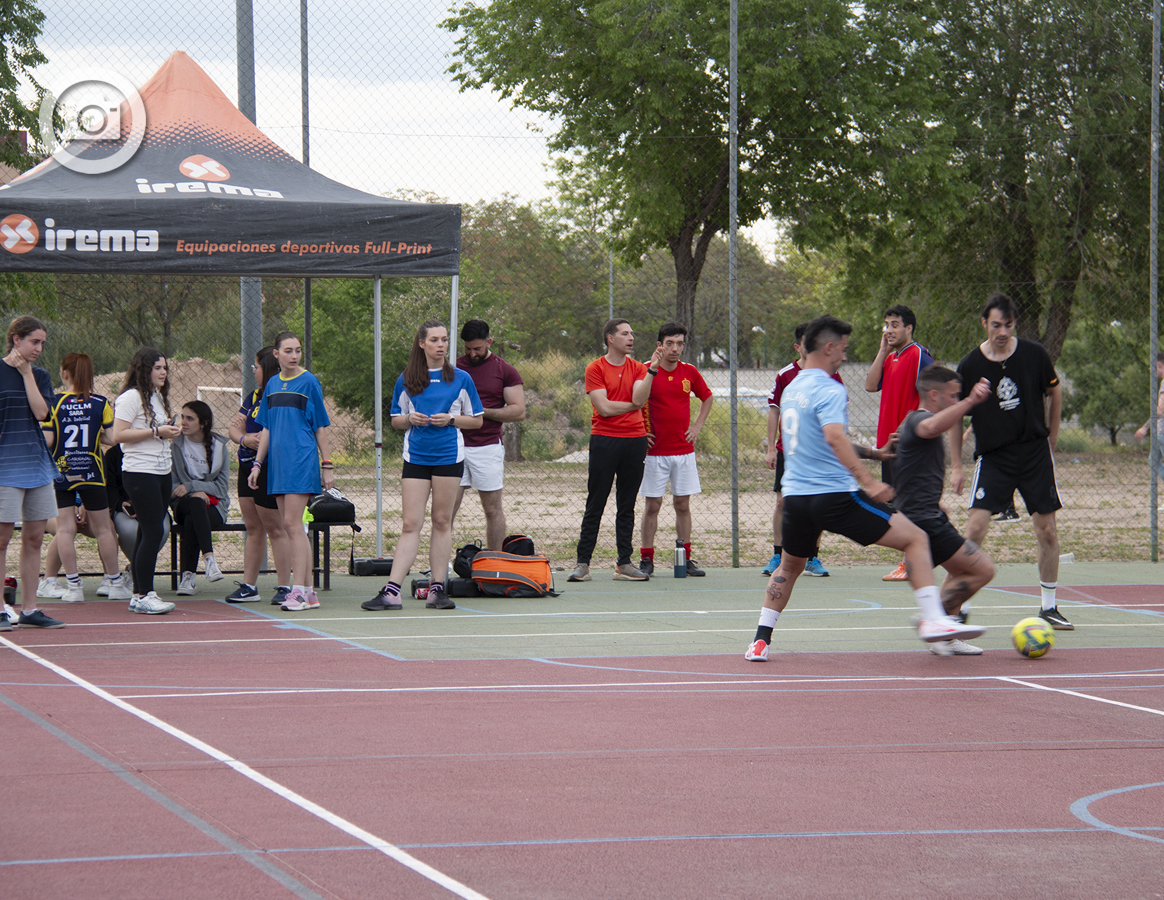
201 495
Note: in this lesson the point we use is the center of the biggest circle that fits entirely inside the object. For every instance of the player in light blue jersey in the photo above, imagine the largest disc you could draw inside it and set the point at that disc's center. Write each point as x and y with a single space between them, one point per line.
826 487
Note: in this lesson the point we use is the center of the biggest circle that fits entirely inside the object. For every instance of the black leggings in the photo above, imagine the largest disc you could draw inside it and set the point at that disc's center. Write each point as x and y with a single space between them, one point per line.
612 458
195 520
150 496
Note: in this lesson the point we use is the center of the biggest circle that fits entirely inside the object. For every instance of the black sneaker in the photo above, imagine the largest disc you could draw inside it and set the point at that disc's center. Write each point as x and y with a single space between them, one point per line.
693 570
961 618
438 599
647 565
244 594
382 601
5 625
38 619
280 596
1051 616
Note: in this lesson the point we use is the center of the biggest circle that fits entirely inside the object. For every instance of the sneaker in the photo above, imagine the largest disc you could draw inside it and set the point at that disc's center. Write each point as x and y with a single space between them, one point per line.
438 599
150 605
5 625
12 615
186 587
280 596
74 593
213 573
628 572
243 594
773 565
897 574
693 570
312 600
1056 619
581 573
946 629
49 589
815 568
297 601
119 591
647 566
961 617
758 652
1007 515
954 648
382 601
103 587
38 619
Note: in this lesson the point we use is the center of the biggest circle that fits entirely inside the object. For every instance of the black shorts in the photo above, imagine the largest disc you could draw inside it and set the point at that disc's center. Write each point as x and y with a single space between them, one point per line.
853 515
944 538
779 470
1028 467
427 473
92 498
259 495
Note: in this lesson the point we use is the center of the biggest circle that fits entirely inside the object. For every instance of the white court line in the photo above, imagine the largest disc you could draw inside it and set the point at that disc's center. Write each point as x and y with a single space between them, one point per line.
390 850
1043 687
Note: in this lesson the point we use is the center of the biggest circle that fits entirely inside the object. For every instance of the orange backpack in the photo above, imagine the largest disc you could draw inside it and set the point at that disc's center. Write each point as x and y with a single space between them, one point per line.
499 574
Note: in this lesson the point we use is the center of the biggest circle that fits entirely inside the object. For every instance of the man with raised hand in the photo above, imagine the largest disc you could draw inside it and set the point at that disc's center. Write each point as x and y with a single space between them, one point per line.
921 471
827 487
618 388
894 374
502 395
671 439
1015 430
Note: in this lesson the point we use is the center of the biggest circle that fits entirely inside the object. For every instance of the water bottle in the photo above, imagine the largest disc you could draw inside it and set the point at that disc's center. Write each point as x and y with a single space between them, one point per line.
680 560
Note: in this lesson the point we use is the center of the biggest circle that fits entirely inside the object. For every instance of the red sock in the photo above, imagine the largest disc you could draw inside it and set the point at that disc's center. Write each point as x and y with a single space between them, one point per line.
687 549
647 552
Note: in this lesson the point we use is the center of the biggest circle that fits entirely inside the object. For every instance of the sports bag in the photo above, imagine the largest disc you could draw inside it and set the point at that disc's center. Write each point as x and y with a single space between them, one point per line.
500 574
463 560
332 508
520 544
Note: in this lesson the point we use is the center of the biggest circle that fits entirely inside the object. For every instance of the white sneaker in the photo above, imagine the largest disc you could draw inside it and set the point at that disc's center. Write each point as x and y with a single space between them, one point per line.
49 589
213 573
947 629
151 605
119 591
13 615
103 587
186 587
74 593
954 648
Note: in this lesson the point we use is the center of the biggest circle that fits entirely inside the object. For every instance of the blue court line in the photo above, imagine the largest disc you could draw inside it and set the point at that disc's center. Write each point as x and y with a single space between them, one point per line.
1080 810
246 854
287 623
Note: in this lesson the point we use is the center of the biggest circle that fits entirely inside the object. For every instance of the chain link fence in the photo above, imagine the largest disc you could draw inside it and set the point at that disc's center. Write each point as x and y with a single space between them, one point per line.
926 157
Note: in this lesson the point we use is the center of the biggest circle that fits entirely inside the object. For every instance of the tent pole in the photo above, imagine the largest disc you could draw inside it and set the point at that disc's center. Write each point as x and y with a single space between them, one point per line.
306 130
379 419
453 310
250 292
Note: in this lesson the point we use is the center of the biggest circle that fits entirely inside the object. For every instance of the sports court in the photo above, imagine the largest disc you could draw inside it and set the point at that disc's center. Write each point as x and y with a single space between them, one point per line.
611 742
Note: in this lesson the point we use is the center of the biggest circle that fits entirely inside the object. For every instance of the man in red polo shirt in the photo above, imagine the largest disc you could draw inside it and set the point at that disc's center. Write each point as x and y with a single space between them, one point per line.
671 435
894 373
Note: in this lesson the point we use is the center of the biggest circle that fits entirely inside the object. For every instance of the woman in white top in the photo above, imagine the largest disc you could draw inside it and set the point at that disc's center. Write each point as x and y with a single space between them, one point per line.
142 425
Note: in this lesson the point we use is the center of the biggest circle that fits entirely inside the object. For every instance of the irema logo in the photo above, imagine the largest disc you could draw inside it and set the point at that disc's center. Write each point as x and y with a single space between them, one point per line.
18 233
203 168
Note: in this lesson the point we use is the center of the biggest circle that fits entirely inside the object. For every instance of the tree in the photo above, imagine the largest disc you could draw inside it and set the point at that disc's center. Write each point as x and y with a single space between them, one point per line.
640 90
20 26
1108 370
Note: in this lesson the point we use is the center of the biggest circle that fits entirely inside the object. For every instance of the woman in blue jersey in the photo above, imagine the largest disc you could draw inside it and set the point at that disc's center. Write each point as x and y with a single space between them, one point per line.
293 447
79 425
432 402
259 510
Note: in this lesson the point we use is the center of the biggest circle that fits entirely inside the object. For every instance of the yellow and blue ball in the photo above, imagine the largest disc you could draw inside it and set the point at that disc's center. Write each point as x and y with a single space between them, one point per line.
1033 637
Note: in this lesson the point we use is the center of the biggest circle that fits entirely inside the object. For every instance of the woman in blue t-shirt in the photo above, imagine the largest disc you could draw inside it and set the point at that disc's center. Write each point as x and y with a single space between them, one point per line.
294 447
432 401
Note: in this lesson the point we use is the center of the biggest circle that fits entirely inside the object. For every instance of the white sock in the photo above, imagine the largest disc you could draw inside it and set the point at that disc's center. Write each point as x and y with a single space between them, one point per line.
768 617
929 601
965 608
73 579
1047 592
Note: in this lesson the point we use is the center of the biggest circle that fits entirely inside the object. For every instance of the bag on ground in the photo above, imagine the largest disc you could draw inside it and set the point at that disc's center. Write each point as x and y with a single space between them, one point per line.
520 544
463 560
500 574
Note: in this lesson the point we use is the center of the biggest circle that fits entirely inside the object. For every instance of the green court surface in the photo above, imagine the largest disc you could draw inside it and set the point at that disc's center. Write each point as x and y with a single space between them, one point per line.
1111 605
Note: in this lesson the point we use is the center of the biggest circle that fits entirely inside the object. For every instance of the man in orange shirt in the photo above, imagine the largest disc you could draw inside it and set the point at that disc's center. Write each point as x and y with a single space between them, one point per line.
619 388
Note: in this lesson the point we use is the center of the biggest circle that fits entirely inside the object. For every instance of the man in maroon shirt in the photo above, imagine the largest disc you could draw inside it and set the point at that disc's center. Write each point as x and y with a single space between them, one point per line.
503 397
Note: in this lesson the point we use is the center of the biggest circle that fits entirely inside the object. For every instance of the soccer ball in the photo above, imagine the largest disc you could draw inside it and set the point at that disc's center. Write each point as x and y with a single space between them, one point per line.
1033 637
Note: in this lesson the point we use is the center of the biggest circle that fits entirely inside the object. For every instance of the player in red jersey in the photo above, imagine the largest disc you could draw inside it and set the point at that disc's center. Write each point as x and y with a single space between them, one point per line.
894 372
671 435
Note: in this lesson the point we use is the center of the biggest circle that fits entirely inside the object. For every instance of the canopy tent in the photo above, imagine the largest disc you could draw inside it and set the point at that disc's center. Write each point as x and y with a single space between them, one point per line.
207 193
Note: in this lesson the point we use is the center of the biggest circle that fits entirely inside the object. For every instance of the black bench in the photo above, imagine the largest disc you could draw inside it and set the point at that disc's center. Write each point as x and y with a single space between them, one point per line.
315 528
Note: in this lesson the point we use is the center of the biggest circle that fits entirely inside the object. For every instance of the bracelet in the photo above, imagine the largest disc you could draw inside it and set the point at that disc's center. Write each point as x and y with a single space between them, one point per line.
652 371
325 462
327 466
256 464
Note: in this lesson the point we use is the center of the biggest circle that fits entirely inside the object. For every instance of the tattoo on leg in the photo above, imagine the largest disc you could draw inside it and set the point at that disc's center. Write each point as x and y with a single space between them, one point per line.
775 590
971 548
956 593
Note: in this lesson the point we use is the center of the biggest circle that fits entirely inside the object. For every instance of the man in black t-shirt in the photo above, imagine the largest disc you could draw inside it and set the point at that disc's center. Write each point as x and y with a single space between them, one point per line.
1014 440
920 473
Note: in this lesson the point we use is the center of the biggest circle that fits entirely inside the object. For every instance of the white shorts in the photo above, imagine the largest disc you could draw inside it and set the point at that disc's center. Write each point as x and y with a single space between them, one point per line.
27 504
484 468
679 470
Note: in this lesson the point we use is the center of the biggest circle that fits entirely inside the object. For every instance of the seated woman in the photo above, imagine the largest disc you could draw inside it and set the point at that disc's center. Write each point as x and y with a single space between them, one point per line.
200 496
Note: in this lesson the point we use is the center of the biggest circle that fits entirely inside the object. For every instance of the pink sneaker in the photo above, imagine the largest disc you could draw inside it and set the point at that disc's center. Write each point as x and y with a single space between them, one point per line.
312 600
758 652
296 601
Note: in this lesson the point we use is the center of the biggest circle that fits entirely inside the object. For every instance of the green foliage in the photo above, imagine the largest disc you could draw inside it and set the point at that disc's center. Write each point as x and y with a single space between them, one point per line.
1108 369
20 27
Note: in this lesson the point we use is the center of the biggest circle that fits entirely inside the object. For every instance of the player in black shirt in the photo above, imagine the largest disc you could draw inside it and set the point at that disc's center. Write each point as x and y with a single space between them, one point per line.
1014 440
